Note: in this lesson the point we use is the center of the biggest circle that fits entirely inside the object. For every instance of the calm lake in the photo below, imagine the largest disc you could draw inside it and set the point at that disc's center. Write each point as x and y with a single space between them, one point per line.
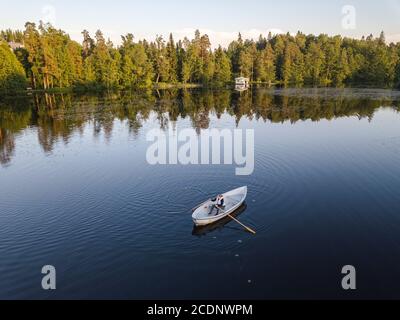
76 192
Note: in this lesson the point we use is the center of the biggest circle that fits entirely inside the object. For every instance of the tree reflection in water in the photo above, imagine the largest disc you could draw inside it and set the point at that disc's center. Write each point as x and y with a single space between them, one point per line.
57 117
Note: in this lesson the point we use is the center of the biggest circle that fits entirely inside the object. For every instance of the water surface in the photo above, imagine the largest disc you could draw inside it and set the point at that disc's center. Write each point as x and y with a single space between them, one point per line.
76 192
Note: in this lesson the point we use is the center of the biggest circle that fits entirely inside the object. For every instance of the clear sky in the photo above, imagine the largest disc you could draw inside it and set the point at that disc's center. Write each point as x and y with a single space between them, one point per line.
220 19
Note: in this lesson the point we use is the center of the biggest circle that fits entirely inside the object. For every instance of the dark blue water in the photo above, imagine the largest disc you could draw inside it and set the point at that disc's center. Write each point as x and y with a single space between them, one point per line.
76 192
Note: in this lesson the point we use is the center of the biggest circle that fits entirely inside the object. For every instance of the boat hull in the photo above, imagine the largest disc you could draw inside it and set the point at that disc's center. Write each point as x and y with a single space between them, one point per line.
204 230
204 221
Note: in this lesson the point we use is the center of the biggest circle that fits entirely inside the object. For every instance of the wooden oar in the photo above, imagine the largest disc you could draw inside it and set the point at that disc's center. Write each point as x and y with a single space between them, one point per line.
247 228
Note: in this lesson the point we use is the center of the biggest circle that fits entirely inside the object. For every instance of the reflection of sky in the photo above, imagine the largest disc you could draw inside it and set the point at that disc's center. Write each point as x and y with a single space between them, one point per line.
331 144
220 19
322 193
379 129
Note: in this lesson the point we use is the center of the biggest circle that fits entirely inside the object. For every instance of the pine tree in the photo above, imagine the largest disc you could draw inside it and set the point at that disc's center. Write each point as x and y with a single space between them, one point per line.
278 45
75 62
235 51
222 72
246 61
207 60
396 76
261 43
382 38
101 57
314 59
293 65
23 57
114 64
87 45
172 57
162 65
264 69
135 64
185 61
35 58
343 68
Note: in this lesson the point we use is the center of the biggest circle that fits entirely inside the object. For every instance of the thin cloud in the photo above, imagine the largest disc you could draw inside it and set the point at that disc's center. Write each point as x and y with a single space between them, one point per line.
223 38
395 38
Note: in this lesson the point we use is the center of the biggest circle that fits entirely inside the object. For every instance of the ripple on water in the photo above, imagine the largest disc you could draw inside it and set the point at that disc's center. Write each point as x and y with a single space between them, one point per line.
99 217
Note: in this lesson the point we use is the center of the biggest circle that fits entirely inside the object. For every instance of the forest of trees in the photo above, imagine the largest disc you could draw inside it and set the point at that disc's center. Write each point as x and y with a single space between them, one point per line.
51 59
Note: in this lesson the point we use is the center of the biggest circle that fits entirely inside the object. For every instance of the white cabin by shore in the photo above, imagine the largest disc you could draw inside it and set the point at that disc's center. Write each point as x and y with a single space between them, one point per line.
241 81
15 45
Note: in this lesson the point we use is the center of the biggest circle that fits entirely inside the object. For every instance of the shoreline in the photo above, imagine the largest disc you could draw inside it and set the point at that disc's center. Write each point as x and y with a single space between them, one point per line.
171 86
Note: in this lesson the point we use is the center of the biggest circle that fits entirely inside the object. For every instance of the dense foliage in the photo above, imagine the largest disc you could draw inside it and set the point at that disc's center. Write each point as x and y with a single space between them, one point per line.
52 60
12 75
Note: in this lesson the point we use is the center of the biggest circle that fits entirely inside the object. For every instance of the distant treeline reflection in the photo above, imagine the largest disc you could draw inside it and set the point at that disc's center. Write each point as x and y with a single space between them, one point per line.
58 117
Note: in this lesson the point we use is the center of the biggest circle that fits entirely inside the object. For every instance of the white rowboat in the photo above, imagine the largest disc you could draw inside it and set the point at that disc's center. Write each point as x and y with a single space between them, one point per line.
207 213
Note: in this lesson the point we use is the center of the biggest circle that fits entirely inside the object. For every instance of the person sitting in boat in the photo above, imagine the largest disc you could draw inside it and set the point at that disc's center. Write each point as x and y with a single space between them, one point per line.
220 201
219 204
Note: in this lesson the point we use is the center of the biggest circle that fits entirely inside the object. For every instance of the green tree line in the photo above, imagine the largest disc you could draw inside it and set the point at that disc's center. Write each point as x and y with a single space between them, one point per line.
51 59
